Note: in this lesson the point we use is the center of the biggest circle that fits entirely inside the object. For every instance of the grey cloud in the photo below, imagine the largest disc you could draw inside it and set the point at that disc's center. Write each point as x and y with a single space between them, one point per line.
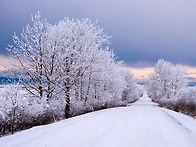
143 31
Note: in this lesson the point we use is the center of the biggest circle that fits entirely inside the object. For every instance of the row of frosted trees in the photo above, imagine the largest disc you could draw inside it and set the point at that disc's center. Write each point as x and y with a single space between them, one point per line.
67 69
168 86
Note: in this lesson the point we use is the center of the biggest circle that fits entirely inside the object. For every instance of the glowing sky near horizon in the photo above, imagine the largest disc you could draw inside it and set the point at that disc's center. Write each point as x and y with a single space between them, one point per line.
143 73
138 73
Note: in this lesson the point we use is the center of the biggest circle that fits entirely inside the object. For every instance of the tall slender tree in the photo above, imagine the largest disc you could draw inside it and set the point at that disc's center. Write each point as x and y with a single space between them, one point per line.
29 50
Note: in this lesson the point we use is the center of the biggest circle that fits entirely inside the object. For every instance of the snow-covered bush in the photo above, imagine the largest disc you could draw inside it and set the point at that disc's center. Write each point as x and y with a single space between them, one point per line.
11 106
184 101
19 110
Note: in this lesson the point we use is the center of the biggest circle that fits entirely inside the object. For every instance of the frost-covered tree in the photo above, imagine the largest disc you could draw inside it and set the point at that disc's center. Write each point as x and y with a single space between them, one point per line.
78 43
67 69
131 91
29 49
166 80
70 65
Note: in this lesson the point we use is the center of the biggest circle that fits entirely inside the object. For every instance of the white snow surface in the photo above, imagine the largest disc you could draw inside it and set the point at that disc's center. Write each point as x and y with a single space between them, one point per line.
141 124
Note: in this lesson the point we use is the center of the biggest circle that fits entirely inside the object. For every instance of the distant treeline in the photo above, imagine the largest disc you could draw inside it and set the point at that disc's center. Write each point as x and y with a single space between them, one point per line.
8 80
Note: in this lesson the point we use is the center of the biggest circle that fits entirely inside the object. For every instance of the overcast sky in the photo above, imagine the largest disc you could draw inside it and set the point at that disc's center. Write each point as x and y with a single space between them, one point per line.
142 30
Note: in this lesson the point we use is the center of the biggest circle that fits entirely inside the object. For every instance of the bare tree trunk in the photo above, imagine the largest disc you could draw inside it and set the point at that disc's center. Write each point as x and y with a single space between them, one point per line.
67 89
13 121
88 89
77 93
67 107
48 94
95 86
81 89
41 69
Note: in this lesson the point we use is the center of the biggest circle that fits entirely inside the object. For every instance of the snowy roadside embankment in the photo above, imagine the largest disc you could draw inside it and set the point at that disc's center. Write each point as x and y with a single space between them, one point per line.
142 123
184 101
19 111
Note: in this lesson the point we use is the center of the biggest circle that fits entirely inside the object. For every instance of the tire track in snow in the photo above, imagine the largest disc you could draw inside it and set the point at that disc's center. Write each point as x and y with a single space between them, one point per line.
177 121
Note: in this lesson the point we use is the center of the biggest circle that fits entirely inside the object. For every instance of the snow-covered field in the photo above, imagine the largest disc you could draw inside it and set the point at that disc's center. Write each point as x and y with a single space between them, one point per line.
142 124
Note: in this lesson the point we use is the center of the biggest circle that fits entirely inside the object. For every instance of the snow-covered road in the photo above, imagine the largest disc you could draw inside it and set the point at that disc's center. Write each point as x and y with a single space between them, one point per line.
142 124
